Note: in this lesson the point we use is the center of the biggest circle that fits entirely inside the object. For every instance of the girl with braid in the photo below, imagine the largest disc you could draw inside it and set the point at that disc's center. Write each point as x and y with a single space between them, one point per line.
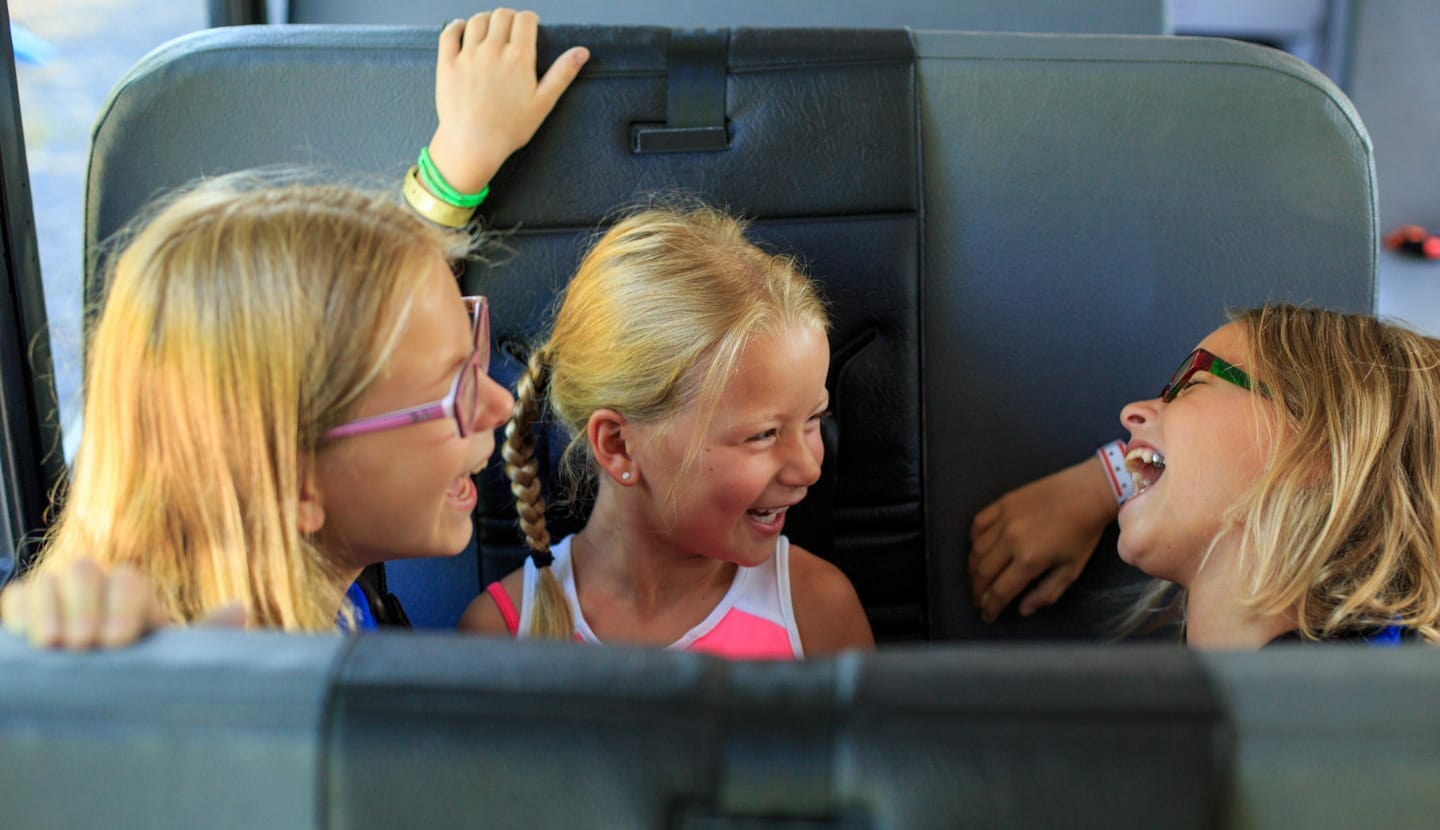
689 368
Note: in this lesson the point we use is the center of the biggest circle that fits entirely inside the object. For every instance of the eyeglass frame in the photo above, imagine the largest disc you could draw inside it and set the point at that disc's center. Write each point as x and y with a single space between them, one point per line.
478 363
1203 360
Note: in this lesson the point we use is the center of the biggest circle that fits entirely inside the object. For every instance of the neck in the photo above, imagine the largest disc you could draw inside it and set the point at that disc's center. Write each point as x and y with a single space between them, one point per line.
629 559
341 582
1217 613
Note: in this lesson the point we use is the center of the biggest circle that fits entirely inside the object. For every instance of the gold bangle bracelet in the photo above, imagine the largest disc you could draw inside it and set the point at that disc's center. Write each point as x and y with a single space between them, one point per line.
432 208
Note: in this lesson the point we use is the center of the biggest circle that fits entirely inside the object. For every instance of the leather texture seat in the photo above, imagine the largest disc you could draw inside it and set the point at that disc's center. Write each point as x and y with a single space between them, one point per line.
1121 17
1024 234
243 730
1017 234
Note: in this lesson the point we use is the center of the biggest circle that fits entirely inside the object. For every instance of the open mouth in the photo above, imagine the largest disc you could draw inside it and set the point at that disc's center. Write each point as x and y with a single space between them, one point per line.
462 493
1145 466
768 516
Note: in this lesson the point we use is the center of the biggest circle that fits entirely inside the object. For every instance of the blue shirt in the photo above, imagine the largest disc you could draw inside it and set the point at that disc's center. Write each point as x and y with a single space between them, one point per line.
364 620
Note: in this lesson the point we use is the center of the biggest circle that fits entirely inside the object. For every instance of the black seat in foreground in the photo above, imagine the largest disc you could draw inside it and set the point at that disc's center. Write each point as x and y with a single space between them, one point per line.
224 729
1017 234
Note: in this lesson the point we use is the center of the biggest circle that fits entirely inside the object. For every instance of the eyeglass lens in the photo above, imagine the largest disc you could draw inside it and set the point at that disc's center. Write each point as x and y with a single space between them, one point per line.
467 393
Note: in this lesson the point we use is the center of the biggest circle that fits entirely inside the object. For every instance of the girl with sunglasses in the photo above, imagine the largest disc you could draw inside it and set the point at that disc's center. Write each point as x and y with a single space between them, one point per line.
285 386
689 368
1288 483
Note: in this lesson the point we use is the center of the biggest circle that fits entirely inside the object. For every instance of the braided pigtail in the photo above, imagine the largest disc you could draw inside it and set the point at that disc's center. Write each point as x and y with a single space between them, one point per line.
519 453
550 618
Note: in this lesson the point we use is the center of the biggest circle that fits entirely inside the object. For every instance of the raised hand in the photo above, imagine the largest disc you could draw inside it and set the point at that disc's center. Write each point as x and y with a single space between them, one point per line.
487 94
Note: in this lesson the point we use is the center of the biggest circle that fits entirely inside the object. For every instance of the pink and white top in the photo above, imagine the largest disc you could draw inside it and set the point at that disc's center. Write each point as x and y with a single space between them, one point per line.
755 620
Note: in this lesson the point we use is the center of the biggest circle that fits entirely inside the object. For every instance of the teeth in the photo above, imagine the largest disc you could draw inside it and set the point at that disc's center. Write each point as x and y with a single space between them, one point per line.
1145 456
1145 466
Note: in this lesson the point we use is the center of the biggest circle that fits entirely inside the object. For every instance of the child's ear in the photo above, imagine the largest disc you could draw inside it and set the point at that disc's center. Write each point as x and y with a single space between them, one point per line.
608 433
310 513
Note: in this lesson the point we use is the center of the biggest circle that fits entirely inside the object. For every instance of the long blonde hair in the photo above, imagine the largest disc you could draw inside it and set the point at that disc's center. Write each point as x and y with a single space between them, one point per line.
1342 530
654 321
240 322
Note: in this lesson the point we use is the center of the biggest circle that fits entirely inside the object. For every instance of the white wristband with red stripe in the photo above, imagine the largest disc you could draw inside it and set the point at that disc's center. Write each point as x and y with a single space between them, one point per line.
1112 455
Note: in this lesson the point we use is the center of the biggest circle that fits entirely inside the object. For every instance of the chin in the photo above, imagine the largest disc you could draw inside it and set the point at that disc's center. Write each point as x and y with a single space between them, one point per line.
1128 554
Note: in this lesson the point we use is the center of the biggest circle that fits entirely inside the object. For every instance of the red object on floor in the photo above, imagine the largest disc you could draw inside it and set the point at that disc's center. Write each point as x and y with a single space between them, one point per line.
1413 239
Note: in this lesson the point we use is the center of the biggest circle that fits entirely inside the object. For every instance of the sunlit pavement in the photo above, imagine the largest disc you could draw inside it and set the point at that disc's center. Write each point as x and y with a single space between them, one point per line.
95 42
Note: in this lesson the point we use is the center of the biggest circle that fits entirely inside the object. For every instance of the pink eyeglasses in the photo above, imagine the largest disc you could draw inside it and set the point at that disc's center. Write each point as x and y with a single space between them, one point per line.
461 403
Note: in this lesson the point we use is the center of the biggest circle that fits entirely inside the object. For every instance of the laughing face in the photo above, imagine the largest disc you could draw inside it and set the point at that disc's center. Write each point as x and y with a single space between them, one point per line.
757 456
407 492
1192 458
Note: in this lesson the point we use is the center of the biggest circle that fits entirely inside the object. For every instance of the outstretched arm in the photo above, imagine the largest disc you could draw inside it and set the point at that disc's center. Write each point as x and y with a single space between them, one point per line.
487 94
1046 529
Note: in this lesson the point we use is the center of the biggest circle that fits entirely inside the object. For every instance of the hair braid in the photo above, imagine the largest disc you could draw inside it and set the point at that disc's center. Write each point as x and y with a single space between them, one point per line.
519 453
550 618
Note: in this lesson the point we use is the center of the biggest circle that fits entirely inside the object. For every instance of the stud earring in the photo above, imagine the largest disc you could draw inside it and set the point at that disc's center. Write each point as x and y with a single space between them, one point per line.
625 476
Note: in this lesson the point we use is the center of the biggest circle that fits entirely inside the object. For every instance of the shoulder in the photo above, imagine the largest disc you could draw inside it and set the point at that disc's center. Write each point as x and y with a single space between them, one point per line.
827 609
483 616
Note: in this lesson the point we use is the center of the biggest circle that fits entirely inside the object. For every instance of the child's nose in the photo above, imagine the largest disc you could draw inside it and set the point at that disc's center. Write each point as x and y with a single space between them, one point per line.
495 405
1139 413
802 468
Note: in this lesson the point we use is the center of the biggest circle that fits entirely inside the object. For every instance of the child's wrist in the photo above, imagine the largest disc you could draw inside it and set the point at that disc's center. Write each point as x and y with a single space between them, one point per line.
462 168
430 206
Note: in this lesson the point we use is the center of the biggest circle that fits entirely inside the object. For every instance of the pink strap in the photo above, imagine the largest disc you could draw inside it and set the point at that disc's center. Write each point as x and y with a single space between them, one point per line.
507 608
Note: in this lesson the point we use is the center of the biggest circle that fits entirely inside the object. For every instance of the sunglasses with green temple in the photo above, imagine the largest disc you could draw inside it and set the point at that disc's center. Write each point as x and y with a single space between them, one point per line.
1201 360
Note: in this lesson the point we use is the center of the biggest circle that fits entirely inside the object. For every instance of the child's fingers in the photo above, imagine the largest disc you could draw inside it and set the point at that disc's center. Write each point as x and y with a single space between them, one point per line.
130 608
559 76
43 612
450 40
1049 590
12 607
82 599
476 29
525 30
501 21
984 519
1005 587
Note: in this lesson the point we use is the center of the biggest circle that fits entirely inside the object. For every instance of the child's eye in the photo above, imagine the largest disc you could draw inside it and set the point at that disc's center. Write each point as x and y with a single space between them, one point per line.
764 436
820 416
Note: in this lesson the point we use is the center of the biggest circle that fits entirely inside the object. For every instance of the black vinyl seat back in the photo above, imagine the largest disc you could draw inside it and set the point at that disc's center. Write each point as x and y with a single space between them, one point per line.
227 729
1016 235
1132 17
856 232
812 184
1092 208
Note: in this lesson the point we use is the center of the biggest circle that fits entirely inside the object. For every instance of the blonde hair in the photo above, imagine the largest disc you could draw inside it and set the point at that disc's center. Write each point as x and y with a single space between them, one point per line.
240 322
654 321
1342 530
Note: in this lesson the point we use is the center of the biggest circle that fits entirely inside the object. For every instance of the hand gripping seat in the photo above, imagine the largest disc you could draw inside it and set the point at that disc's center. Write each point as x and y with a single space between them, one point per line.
1016 233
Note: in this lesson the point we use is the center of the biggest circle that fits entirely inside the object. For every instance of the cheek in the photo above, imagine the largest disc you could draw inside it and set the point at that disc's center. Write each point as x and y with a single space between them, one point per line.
816 443
485 439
